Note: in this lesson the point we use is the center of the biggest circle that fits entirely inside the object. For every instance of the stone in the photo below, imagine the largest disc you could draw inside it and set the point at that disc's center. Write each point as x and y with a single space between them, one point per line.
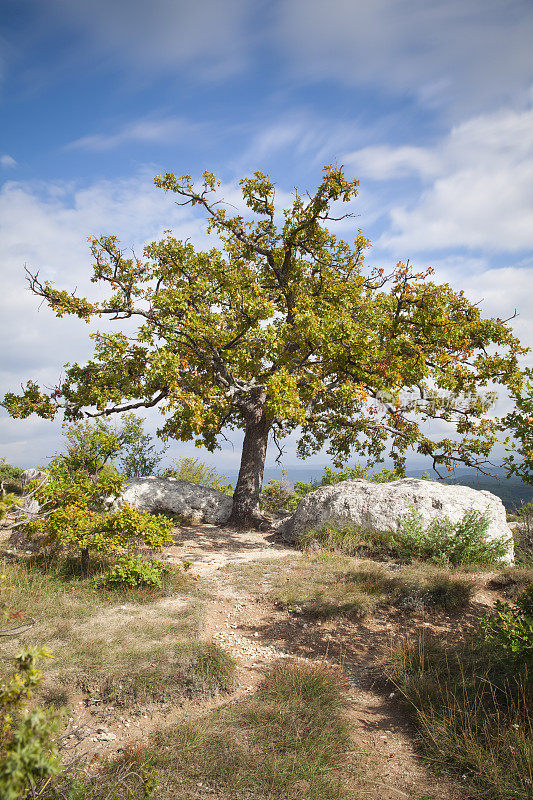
30 475
379 506
195 504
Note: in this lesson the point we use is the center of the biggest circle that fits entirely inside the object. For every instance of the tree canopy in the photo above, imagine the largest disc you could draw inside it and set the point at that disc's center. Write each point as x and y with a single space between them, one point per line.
282 328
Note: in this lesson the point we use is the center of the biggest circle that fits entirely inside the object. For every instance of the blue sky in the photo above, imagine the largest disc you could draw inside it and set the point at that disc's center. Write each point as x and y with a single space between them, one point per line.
428 102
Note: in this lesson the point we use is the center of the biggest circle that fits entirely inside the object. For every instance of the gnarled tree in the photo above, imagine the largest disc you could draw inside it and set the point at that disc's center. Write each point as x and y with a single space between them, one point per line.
282 328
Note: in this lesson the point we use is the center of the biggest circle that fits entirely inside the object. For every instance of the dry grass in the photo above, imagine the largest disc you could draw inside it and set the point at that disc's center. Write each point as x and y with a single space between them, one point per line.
288 740
124 647
325 584
473 713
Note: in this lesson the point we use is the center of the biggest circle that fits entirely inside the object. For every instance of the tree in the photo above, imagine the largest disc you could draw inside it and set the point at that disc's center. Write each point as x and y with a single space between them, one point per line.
520 422
138 456
280 329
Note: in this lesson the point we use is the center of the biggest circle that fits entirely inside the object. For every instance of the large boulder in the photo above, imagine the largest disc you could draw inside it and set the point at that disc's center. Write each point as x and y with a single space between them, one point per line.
379 506
194 503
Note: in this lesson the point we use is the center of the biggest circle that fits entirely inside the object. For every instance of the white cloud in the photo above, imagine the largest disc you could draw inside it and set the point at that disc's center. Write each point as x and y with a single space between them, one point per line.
443 52
383 162
7 161
476 187
149 130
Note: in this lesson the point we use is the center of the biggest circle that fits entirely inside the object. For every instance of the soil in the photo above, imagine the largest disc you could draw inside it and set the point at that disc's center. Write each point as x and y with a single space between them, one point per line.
256 632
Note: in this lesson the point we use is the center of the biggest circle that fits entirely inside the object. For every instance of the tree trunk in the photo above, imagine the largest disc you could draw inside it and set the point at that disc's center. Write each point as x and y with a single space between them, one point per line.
84 561
246 512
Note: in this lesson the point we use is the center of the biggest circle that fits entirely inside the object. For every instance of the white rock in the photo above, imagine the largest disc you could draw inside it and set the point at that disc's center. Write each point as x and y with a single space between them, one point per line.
379 506
172 495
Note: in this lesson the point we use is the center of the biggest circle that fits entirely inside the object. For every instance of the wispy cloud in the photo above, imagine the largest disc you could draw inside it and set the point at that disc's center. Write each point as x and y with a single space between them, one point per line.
446 53
164 34
7 161
148 130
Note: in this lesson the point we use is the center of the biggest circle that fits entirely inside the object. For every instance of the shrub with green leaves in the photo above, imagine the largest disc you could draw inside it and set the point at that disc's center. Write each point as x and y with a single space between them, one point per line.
75 514
442 542
278 494
200 473
445 542
27 752
510 628
132 571
7 501
10 478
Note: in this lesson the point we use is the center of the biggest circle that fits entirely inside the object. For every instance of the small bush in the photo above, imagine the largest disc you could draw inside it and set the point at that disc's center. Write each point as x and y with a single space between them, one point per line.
445 542
132 571
510 629
277 495
27 752
10 478
7 501
196 471
442 542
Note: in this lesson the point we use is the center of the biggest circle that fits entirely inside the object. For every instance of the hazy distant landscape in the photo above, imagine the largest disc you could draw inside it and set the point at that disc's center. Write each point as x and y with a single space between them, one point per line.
512 491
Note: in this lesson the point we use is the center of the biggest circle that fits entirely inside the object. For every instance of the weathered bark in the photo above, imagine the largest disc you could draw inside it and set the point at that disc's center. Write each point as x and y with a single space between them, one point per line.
246 512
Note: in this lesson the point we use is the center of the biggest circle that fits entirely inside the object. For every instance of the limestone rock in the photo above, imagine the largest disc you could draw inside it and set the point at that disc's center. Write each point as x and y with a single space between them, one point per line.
379 506
194 503
30 475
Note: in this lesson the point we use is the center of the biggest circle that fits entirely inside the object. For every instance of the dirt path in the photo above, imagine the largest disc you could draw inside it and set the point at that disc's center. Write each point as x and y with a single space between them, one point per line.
256 634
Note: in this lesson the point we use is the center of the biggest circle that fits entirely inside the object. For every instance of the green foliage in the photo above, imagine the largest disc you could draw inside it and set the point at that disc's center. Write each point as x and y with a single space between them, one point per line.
444 542
10 478
277 495
376 355
138 456
133 570
7 501
510 628
520 423
76 515
90 445
200 473
27 754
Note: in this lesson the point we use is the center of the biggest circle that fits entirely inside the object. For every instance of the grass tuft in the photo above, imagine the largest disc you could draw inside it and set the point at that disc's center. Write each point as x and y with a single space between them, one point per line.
474 714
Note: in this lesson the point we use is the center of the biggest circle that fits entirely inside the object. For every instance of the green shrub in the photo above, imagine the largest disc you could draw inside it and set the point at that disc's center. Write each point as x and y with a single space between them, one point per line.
10 478
196 471
510 628
442 542
277 495
133 570
27 753
76 516
7 501
445 542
